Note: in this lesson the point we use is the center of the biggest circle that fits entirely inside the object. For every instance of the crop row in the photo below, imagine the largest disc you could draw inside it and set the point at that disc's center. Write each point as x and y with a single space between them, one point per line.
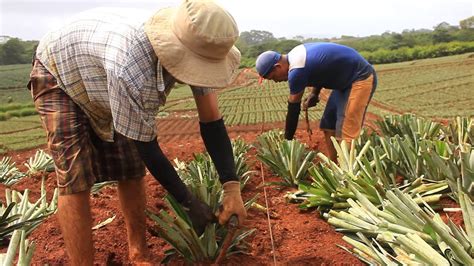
14 76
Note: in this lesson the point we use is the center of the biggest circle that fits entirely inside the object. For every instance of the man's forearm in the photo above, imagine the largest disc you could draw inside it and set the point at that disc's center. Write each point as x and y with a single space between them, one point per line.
162 169
219 147
292 119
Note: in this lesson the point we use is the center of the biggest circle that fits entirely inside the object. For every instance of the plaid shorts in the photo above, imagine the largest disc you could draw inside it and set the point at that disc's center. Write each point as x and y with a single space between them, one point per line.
80 156
345 110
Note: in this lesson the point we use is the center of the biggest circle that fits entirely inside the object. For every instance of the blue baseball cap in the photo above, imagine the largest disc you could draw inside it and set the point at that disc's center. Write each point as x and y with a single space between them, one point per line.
266 61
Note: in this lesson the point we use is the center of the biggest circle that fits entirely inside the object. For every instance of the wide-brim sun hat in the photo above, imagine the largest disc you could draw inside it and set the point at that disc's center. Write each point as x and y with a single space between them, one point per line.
195 43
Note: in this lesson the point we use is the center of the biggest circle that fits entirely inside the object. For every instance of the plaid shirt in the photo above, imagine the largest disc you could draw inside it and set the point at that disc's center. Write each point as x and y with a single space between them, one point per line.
106 64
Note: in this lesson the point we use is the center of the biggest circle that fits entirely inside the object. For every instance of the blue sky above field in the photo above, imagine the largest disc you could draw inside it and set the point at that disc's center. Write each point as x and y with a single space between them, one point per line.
30 19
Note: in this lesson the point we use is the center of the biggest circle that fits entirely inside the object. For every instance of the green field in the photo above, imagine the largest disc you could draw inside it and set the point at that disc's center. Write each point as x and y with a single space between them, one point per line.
15 96
14 76
435 88
21 133
440 87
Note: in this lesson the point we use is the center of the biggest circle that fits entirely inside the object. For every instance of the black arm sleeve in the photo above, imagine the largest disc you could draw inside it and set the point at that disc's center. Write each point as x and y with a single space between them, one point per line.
160 167
217 142
292 119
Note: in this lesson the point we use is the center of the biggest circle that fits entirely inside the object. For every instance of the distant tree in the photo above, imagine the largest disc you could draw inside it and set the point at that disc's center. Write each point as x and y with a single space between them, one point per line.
298 38
467 23
286 45
241 45
316 40
464 35
387 47
280 46
412 38
254 50
442 25
30 50
441 34
254 37
347 37
396 41
12 52
386 34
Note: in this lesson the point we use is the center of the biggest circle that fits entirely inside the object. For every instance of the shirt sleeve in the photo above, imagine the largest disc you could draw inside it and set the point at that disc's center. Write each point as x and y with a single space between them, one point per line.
200 91
297 80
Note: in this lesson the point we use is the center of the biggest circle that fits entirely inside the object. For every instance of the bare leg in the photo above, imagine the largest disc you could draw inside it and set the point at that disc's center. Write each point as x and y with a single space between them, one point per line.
332 154
133 202
74 217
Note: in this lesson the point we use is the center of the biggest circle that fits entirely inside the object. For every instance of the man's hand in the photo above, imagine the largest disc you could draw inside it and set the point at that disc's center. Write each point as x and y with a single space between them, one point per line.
310 101
232 203
199 213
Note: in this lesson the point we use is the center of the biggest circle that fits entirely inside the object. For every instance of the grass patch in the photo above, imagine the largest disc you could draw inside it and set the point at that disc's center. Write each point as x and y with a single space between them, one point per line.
17 113
15 96
26 139
19 124
21 133
14 76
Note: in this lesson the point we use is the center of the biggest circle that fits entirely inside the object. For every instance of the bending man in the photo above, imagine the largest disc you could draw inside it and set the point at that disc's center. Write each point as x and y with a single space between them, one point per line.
97 84
324 65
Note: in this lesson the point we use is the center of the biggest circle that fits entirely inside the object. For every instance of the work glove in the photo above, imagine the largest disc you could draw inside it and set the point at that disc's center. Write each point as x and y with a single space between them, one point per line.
232 203
199 213
310 101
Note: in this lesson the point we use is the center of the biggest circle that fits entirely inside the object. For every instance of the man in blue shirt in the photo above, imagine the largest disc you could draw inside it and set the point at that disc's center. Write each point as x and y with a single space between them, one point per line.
324 65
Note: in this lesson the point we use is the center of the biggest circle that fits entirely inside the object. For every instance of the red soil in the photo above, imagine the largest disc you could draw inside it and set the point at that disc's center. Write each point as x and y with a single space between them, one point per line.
299 237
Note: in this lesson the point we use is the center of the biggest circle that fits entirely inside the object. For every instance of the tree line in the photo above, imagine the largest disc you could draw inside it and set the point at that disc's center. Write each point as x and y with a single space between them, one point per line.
388 47
16 51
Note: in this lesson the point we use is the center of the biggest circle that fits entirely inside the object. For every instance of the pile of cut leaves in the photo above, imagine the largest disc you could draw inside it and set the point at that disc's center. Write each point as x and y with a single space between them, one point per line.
384 188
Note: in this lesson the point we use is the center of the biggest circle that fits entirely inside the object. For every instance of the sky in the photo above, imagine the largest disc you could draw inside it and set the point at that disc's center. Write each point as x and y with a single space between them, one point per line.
31 19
